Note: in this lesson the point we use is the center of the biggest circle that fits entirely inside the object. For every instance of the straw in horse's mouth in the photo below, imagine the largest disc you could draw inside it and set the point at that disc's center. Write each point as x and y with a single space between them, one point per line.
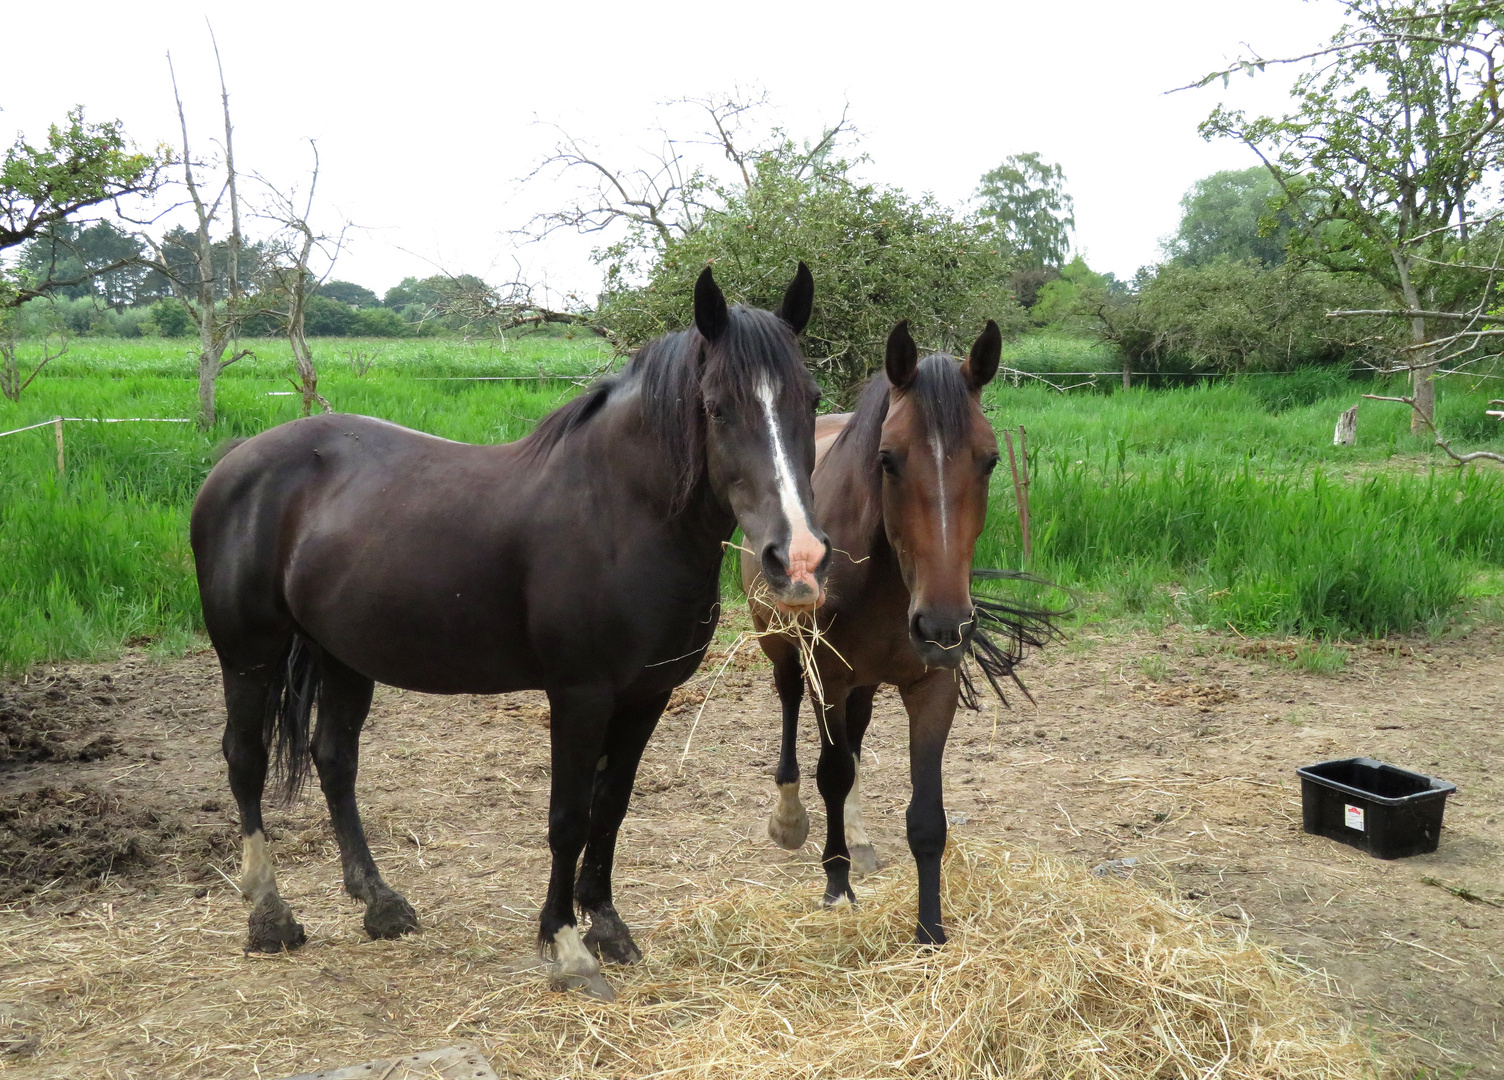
798 624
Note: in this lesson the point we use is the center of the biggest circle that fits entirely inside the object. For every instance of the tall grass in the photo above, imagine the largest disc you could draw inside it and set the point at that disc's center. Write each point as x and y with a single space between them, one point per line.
1222 504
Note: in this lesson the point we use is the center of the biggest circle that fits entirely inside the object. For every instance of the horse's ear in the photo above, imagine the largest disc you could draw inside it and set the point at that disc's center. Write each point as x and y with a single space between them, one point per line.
711 315
798 299
981 364
903 356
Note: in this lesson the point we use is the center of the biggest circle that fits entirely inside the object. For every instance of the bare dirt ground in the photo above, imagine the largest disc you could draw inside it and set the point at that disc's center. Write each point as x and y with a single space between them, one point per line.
120 938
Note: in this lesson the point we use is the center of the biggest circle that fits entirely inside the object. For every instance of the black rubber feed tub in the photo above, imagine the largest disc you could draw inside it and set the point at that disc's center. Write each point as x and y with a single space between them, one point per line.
1386 811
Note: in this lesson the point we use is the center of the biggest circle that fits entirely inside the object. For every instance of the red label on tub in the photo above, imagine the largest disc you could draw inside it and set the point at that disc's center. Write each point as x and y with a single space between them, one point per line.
1354 816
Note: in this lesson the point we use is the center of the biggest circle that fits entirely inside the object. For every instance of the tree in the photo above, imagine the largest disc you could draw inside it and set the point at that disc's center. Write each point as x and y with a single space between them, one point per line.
213 292
1231 215
1394 136
756 203
81 166
289 278
101 261
877 254
348 293
1231 316
1025 197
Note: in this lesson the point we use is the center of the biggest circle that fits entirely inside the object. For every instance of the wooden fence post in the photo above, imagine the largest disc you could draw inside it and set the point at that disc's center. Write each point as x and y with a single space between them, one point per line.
57 426
1023 449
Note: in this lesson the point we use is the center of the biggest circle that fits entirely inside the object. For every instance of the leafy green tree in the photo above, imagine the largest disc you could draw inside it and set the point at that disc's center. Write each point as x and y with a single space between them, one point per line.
100 260
1231 215
1232 316
1025 198
877 254
1395 134
80 166
348 293
417 299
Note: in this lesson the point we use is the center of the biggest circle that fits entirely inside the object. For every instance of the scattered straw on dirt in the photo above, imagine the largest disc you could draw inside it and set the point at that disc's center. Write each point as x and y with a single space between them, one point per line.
1050 972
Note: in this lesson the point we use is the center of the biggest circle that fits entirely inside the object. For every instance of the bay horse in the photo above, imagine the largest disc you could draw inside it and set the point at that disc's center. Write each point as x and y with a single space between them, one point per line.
900 487
335 552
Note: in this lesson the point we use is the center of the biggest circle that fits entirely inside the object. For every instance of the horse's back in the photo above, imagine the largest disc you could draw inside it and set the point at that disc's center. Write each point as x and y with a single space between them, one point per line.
827 429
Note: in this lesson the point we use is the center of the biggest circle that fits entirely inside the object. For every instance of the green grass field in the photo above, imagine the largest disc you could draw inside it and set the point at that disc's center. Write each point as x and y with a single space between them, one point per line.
1220 505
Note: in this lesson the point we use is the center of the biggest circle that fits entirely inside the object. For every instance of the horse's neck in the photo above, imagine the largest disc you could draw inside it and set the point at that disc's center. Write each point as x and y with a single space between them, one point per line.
849 498
621 452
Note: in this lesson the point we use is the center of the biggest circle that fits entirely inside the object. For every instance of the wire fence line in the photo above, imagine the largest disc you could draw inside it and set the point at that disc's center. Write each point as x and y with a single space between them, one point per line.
96 420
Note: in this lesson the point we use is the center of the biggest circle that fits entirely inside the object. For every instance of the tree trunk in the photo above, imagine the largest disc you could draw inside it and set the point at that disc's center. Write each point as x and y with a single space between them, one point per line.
1127 373
1347 428
208 371
1423 390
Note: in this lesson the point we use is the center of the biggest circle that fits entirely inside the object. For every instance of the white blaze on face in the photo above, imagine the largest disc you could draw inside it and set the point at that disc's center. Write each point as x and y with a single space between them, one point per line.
805 551
940 491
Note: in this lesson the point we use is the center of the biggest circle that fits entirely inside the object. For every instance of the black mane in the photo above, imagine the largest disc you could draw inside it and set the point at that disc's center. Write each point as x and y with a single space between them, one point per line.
671 379
940 394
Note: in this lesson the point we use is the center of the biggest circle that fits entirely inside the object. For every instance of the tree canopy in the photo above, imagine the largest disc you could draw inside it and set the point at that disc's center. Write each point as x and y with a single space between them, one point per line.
1025 198
877 254
1396 133
80 165
1231 215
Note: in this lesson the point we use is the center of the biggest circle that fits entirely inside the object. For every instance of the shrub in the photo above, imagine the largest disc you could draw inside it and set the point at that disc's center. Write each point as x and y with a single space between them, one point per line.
169 319
877 255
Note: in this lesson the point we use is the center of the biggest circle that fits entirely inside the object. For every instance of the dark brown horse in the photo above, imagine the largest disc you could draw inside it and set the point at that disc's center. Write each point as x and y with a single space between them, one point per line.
901 490
340 551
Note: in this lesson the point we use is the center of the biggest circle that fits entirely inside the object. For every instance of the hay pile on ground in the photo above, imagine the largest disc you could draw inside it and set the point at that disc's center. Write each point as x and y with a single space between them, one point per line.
1050 972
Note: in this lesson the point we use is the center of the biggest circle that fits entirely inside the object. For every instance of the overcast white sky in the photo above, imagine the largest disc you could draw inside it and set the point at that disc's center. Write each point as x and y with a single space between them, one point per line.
426 114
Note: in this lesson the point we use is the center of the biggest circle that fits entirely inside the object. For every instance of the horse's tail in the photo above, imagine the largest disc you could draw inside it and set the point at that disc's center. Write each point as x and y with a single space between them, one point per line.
289 707
1004 633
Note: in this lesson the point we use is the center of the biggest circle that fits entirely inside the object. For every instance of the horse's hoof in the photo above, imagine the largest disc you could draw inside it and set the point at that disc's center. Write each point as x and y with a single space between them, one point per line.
273 929
390 916
838 900
930 937
594 986
612 944
863 859
788 831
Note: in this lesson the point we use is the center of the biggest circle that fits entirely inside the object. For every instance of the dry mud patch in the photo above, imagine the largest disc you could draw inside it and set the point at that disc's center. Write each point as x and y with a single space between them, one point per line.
118 847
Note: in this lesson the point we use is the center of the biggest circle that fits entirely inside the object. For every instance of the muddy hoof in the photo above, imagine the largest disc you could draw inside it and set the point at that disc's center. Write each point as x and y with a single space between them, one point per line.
788 830
594 986
612 944
273 929
863 859
390 916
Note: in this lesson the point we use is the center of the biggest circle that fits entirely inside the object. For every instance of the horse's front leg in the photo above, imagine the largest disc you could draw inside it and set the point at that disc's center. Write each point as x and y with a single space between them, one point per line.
580 717
834 777
616 771
931 705
788 824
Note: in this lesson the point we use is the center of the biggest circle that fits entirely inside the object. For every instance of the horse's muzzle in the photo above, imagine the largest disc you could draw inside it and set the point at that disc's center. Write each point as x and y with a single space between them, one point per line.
941 641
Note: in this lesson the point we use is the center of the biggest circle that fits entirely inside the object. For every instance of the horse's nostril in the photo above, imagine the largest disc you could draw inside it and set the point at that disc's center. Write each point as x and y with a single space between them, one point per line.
775 563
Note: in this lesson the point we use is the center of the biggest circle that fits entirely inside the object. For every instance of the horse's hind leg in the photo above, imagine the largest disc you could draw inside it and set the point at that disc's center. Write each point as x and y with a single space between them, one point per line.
616 771
344 700
248 693
788 824
858 716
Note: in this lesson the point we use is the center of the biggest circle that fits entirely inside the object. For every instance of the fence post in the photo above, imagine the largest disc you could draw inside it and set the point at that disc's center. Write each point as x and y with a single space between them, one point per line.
57 427
1023 450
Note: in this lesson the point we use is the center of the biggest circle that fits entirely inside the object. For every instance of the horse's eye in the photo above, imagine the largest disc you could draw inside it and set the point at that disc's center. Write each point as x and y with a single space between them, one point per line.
888 461
990 464
713 410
